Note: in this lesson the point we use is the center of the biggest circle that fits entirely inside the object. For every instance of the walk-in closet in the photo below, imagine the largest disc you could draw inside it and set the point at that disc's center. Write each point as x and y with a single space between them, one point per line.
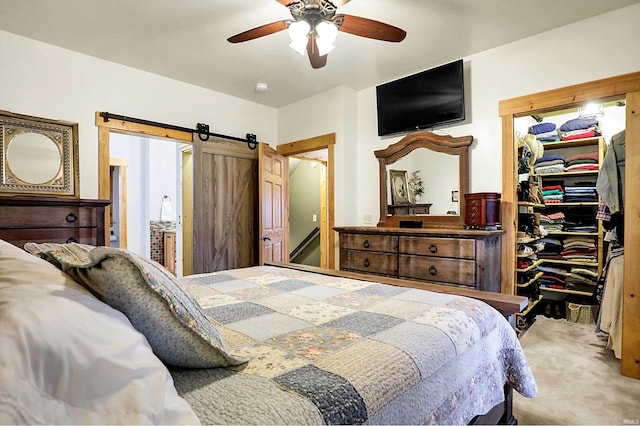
568 218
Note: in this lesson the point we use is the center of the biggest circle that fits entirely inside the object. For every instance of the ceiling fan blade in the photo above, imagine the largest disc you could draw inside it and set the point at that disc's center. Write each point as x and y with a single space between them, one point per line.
338 3
288 2
369 28
316 60
260 31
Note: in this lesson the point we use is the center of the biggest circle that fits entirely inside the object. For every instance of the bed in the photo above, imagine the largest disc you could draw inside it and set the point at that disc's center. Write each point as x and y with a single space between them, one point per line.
101 335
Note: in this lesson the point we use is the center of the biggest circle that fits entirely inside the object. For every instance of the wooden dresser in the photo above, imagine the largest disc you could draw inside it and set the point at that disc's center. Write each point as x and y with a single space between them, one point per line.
462 258
55 220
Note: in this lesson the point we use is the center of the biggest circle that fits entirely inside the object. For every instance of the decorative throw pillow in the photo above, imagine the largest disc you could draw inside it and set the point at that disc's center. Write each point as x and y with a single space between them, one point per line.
43 250
173 323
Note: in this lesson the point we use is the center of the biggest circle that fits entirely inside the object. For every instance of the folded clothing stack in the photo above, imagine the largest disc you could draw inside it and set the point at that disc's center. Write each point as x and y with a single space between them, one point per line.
580 193
580 219
549 163
582 279
545 132
552 249
579 128
579 248
552 222
581 162
553 192
553 277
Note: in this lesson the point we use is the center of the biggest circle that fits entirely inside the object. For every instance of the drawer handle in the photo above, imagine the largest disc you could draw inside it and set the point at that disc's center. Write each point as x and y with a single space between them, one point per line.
71 217
72 240
366 244
366 263
433 270
433 248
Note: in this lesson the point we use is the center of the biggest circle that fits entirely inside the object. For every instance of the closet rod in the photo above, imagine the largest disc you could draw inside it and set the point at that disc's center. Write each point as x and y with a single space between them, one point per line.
202 129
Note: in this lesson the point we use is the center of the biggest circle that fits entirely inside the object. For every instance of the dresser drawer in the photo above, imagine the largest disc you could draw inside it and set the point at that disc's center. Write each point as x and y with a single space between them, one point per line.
19 237
388 243
430 268
52 216
369 262
441 247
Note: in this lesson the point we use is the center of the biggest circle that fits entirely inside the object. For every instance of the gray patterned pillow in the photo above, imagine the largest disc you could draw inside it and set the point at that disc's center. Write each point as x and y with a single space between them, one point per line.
173 323
43 250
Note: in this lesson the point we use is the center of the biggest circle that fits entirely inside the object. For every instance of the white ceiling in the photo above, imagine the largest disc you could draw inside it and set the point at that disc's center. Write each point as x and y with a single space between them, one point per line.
187 39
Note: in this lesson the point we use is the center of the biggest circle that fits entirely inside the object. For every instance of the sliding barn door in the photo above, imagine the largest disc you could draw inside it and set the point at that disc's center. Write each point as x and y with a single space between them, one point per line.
225 223
274 203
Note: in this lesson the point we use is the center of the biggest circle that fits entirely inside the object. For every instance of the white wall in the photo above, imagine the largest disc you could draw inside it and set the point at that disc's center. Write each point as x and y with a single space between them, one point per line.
163 176
136 151
592 49
329 112
47 81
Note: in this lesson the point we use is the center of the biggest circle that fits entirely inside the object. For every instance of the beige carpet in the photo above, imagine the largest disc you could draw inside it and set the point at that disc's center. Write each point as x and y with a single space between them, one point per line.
578 379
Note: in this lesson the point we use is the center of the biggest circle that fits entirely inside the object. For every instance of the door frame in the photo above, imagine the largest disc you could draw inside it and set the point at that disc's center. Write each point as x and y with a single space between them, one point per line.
627 86
327 211
121 164
127 128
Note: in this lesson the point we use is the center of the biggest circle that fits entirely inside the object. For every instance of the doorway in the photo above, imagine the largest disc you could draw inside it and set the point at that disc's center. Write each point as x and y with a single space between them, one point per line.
320 151
146 206
111 129
118 229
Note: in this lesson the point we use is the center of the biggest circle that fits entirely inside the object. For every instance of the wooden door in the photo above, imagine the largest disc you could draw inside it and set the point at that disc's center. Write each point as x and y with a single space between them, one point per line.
273 179
224 205
187 211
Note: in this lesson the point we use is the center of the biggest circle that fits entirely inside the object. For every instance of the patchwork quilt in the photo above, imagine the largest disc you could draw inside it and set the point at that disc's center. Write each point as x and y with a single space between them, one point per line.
331 350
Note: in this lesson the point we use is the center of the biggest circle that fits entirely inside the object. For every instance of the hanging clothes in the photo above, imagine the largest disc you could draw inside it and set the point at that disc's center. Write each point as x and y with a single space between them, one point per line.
610 185
610 316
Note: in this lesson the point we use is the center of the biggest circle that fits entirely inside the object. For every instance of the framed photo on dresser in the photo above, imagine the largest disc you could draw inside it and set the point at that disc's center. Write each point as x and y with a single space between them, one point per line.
399 186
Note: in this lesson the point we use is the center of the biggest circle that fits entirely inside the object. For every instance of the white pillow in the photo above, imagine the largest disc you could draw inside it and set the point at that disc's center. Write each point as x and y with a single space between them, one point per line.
66 357
19 267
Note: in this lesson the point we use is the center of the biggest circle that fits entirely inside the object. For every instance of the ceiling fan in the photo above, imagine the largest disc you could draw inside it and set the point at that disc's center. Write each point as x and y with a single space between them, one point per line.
315 26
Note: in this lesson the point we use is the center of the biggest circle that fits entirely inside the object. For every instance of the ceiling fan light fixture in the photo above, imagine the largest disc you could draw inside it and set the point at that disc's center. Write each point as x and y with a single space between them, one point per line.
324 47
299 45
299 31
326 34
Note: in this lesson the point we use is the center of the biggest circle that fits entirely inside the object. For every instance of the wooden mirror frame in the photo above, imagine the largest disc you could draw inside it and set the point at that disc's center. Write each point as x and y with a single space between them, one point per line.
62 134
446 144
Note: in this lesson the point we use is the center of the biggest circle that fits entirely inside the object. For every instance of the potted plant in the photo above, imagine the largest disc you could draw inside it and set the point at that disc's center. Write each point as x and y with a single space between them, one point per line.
416 185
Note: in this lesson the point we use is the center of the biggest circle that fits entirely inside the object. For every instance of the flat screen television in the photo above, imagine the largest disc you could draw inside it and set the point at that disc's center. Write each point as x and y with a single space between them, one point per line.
424 100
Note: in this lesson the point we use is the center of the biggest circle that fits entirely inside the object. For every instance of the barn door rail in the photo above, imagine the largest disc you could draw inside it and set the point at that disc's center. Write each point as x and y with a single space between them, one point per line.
202 129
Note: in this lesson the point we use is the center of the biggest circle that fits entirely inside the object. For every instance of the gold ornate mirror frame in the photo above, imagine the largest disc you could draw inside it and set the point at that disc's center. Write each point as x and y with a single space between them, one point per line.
38 156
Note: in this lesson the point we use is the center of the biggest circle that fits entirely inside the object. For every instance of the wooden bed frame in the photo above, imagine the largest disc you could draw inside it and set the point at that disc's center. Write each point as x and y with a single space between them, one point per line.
507 305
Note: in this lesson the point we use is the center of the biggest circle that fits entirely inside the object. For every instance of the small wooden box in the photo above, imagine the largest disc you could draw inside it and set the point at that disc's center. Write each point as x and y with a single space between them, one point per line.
482 209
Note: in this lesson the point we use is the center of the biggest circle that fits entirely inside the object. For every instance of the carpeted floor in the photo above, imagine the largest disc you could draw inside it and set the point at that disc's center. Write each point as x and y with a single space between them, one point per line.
579 380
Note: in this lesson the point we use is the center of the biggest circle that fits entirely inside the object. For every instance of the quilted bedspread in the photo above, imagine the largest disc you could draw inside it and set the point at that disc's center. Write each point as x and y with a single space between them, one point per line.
334 350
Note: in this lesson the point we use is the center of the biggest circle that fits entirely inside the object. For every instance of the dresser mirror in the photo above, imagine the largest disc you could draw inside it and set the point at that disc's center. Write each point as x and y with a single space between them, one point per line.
39 156
441 163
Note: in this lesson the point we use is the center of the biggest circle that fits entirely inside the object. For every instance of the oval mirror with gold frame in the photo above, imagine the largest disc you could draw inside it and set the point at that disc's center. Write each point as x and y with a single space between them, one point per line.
452 157
38 156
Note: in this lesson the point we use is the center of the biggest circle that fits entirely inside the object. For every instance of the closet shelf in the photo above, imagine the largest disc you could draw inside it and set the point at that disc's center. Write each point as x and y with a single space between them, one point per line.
569 174
530 204
570 262
522 256
529 240
562 290
582 234
531 306
572 143
531 281
583 203
530 267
